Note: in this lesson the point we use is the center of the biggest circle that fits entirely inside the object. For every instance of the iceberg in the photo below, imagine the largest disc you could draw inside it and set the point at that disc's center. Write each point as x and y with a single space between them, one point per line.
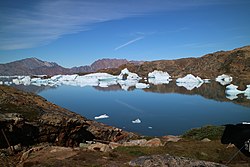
137 121
189 82
224 79
141 85
102 116
247 92
232 92
189 79
130 75
1 82
158 77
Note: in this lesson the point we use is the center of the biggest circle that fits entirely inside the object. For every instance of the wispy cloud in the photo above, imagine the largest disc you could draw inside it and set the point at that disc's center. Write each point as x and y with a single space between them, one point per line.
27 24
129 42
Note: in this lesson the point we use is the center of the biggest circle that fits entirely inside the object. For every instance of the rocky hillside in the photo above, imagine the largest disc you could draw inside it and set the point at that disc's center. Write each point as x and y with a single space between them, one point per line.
235 62
28 119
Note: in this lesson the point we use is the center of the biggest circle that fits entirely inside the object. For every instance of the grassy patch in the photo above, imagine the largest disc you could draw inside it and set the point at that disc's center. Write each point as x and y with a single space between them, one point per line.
211 132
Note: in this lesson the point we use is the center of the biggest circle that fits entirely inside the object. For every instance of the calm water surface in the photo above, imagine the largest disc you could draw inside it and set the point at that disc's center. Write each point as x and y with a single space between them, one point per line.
167 109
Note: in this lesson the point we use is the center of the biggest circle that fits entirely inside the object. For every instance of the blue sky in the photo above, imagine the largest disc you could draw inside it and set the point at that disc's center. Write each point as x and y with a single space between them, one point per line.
78 32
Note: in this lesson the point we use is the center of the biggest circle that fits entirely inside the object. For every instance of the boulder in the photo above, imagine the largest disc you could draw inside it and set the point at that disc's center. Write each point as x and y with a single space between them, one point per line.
170 161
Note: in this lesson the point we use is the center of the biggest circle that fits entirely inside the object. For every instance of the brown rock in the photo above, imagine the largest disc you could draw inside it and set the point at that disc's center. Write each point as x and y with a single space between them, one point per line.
99 147
156 142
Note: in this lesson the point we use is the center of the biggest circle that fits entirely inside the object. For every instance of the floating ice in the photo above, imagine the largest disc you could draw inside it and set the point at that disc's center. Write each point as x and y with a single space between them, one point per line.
1 82
232 92
189 82
137 121
158 77
224 79
150 127
102 116
130 75
189 79
141 85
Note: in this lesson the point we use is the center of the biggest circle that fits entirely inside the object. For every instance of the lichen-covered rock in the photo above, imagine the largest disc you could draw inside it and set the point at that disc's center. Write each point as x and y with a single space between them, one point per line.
170 161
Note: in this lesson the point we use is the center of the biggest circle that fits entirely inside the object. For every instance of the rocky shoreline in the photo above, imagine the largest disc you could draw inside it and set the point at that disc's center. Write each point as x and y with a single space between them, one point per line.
30 125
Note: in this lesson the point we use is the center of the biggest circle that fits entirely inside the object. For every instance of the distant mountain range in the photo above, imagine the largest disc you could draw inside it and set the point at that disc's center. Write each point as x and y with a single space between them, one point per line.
234 62
34 66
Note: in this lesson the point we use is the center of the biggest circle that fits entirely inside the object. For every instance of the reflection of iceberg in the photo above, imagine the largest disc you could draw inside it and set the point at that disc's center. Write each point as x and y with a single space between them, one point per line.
158 77
232 92
102 116
189 82
137 121
247 92
224 79
127 79
189 85
126 84
141 85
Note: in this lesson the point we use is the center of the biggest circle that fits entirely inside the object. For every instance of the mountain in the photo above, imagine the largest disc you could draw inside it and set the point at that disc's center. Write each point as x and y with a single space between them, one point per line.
34 66
234 62
31 66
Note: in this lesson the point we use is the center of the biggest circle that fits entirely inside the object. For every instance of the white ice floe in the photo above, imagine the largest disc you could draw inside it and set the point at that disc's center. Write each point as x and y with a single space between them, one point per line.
189 79
158 77
247 92
232 92
189 82
224 79
102 116
1 82
141 85
150 127
130 75
137 121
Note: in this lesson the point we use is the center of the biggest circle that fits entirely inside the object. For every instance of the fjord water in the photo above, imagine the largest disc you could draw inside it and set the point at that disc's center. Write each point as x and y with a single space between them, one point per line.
162 109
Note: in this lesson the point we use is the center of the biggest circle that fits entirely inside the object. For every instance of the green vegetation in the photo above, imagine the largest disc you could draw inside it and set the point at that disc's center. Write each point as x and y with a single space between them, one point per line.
210 132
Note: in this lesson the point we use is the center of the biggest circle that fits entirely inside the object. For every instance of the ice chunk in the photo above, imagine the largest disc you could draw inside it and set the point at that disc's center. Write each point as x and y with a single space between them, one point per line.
141 85
224 79
189 79
1 82
137 121
102 116
25 80
232 91
16 81
150 127
189 82
158 77
247 92
130 75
